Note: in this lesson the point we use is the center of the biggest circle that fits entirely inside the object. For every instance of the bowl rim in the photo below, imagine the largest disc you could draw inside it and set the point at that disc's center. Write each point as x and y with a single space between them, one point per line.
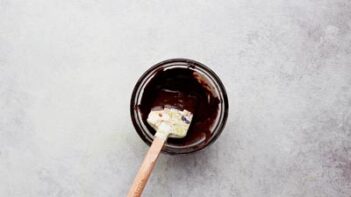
137 93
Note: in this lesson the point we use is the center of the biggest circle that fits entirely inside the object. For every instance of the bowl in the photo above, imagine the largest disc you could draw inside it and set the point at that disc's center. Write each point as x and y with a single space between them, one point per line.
184 84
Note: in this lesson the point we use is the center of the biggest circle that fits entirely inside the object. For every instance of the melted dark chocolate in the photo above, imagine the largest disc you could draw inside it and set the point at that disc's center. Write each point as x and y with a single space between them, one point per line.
180 88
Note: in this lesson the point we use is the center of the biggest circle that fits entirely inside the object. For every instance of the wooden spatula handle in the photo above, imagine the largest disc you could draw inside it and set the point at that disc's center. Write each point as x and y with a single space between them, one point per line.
146 168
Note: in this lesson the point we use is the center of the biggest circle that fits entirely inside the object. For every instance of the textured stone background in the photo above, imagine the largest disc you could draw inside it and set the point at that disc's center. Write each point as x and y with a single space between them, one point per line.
67 69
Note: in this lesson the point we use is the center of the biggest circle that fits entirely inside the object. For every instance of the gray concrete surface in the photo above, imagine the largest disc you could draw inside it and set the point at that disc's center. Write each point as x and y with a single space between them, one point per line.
67 69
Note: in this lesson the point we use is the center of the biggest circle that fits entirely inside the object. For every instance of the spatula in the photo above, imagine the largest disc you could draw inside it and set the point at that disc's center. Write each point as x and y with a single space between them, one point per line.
167 122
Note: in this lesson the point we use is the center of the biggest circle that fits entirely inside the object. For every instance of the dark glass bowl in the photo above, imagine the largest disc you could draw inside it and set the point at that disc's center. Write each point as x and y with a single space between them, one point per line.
147 133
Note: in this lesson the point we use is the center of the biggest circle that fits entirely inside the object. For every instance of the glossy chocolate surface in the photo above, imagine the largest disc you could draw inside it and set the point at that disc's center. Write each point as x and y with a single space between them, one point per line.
179 88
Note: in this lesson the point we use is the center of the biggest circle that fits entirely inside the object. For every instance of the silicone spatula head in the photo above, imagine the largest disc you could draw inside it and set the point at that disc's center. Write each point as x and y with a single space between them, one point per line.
170 122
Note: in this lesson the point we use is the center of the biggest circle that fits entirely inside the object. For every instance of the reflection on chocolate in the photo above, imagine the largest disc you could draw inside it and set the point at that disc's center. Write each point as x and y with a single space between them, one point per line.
183 88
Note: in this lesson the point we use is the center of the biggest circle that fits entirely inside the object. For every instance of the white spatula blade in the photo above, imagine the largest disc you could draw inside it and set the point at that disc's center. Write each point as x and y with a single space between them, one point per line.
170 122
